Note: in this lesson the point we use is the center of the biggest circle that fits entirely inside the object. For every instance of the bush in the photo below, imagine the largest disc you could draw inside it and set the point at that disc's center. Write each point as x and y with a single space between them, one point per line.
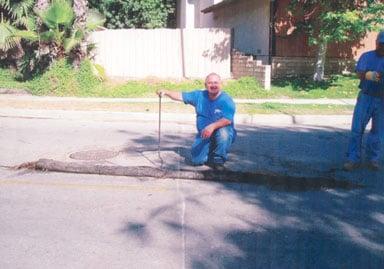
62 79
135 14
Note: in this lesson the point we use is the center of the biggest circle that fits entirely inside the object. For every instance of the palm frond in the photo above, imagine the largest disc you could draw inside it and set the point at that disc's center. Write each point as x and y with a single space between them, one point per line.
58 13
17 9
8 39
94 19
47 36
28 23
75 39
27 35
22 8
70 43
5 4
98 71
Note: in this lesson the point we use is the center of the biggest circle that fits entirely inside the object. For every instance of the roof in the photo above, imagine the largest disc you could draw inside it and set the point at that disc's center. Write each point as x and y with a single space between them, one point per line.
222 4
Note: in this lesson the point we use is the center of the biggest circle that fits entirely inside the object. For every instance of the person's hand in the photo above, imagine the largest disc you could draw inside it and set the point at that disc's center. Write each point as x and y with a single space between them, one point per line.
160 93
373 76
207 131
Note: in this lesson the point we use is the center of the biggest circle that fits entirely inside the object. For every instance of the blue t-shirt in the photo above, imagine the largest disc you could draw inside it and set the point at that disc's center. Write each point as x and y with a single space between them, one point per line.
207 110
371 61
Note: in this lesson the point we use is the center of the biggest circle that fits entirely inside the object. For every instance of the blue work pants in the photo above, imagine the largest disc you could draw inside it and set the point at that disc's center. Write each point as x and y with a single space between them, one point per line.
367 108
214 149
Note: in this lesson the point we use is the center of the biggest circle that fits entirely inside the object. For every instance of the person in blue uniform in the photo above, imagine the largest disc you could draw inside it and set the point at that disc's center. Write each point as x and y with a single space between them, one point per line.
215 112
369 106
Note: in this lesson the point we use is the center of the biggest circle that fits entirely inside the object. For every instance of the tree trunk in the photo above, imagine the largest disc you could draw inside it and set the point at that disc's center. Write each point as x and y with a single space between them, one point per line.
80 8
320 62
41 4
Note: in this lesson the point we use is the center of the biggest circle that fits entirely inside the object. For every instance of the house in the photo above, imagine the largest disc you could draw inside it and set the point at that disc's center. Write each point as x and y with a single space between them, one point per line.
235 38
248 19
262 38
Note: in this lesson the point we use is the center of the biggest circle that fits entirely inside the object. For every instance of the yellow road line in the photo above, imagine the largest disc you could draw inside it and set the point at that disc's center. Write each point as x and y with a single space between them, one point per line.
84 186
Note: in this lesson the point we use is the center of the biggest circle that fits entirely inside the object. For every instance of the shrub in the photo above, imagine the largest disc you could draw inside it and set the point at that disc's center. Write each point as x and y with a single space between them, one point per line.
62 79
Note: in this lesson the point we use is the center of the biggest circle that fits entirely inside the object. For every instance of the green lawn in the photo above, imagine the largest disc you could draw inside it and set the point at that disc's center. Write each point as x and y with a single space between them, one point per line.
62 80
175 107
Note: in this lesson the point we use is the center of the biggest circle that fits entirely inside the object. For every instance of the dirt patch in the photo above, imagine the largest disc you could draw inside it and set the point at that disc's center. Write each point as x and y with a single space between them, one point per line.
14 91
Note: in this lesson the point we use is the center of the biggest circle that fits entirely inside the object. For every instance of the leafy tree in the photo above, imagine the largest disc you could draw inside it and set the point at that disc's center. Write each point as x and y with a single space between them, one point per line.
335 21
135 13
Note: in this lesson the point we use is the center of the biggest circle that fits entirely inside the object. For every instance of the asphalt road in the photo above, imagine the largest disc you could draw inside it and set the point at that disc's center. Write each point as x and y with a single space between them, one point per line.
55 220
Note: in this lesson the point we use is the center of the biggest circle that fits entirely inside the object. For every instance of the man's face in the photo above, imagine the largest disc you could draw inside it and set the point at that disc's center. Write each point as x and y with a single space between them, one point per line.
380 48
213 85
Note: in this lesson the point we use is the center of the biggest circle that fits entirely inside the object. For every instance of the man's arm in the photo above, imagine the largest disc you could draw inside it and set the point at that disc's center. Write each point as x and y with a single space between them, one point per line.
370 75
208 130
177 96
361 75
362 70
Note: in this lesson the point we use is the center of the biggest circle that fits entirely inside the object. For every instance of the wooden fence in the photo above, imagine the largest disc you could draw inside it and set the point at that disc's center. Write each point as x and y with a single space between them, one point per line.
164 53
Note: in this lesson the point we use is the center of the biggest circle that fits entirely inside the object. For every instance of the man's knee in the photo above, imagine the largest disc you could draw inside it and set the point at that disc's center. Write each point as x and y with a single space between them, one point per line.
224 134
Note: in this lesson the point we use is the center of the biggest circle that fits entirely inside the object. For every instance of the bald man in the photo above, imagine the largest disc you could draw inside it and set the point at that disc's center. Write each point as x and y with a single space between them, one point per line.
215 112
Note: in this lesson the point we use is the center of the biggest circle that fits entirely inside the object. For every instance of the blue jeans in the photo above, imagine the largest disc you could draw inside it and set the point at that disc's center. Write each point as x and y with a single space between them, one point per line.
213 149
367 107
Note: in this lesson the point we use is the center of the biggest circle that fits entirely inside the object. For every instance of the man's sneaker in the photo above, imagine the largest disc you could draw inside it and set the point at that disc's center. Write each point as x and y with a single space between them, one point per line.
373 165
219 167
350 166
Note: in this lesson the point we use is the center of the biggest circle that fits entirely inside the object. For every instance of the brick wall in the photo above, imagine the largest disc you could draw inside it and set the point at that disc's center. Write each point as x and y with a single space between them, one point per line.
293 66
247 66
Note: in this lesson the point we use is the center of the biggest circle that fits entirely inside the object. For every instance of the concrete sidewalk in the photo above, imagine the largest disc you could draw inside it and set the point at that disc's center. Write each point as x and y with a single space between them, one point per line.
95 109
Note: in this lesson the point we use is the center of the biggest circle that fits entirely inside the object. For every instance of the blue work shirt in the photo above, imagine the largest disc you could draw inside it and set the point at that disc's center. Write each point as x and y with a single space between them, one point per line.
371 61
209 111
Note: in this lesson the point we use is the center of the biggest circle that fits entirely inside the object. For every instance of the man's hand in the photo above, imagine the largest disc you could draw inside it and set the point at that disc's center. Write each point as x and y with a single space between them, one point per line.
208 131
161 93
373 76
177 96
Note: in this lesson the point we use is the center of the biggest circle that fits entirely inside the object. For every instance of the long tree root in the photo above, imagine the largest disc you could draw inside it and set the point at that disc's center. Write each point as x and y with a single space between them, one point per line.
271 180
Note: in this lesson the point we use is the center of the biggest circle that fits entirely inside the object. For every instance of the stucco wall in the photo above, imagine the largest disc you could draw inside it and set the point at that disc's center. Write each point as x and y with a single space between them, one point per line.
186 10
248 19
205 20
250 23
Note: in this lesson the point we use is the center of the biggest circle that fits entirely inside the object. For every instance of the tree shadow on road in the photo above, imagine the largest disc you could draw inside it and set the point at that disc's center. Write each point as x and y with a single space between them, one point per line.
230 225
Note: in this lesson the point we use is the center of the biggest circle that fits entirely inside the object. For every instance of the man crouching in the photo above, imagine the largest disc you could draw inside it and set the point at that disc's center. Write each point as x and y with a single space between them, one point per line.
215 112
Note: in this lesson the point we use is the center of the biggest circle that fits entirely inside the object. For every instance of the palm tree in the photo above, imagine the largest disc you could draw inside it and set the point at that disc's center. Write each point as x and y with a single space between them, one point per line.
16 22
31 43
80 8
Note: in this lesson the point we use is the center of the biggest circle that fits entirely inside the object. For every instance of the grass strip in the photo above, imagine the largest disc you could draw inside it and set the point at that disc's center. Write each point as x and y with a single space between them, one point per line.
171 107
63 80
